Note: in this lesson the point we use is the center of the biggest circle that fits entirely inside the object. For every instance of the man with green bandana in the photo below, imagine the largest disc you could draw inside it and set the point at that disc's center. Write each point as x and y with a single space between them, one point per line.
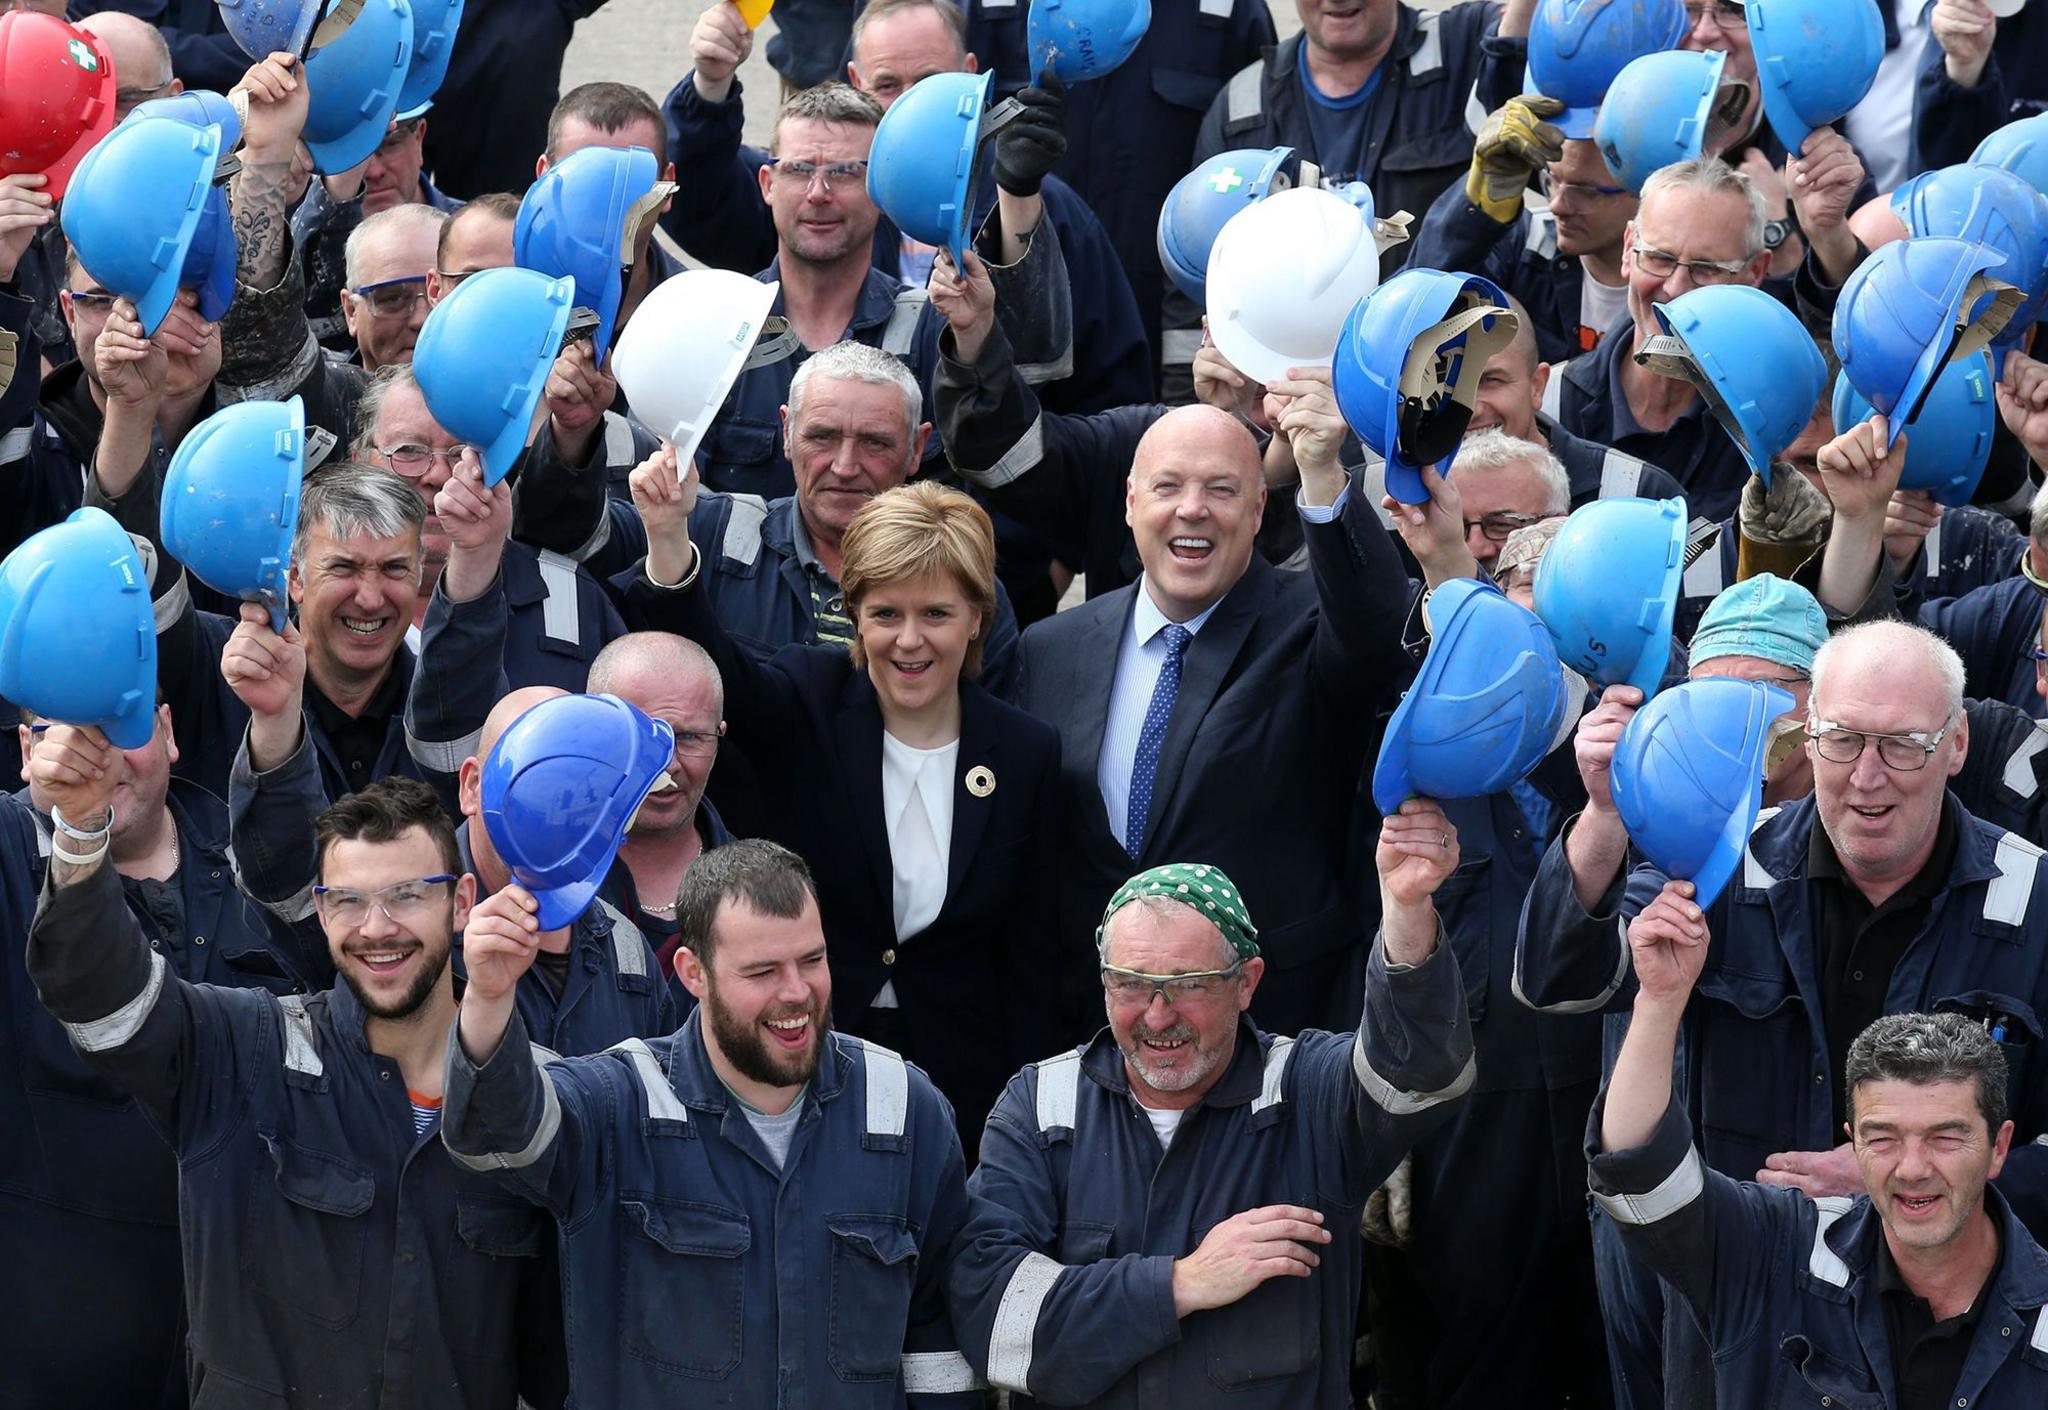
1169 1214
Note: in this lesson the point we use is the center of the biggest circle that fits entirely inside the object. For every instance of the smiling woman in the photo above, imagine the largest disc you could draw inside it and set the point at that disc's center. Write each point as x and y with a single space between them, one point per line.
927 807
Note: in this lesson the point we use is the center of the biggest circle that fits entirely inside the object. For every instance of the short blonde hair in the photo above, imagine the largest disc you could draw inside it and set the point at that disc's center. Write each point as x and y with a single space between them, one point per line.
914 530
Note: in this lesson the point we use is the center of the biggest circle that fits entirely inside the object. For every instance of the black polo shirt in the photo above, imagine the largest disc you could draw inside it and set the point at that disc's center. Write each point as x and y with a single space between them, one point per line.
358 740
1927 1356
1859 945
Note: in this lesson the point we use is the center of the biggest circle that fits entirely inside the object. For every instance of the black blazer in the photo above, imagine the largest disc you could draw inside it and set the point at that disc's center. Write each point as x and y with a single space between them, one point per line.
1280 700
977 988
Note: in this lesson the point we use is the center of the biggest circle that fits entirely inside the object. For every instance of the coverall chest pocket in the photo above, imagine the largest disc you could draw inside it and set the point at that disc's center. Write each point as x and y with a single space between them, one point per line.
1814 1379
682 1285
2012 1024
874 1267
1268 1334
306 1235
1748 1035
739 456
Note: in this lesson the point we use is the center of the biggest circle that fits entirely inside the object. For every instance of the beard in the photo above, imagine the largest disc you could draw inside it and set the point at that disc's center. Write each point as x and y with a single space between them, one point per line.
415 998
1169 1079
749 1052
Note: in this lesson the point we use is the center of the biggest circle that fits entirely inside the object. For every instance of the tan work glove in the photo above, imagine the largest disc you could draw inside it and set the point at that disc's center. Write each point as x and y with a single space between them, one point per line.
1781 526
1513 144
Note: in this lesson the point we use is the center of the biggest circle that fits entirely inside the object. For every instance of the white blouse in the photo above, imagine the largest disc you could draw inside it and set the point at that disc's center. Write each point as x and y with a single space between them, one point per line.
917 805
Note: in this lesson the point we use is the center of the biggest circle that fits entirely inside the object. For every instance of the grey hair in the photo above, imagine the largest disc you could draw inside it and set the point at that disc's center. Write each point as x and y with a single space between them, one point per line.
1712 176
833 102
1163 907
370 405
1926 1048
678 653
1887 639
2037 516
375 227
857 362
349 498
1486 452
882 9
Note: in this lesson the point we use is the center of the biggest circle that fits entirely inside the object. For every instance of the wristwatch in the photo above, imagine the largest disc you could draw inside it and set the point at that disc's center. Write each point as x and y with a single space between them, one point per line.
1777 232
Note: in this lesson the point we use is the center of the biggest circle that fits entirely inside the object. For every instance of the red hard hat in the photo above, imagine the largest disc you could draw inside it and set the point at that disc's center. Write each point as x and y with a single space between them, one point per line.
56 96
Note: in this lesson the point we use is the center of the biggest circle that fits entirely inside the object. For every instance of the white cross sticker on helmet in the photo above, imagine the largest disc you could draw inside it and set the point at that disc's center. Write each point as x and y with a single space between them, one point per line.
1226 180
82 55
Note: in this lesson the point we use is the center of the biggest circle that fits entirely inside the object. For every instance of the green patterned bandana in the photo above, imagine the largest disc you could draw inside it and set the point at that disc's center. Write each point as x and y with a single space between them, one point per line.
1203 889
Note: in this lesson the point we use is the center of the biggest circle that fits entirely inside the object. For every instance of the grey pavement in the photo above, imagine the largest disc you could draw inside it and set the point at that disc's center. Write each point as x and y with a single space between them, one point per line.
647 43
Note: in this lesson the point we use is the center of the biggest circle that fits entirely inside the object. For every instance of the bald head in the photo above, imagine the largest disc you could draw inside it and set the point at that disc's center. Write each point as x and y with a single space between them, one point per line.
1194 501
1876 224
630 665
509 709
142 61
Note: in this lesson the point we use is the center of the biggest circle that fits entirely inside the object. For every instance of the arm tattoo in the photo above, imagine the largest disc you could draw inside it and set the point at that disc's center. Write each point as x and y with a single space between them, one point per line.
258 203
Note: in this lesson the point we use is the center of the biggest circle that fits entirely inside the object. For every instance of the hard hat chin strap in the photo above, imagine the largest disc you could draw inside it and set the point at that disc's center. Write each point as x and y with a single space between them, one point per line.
340 15
1440 377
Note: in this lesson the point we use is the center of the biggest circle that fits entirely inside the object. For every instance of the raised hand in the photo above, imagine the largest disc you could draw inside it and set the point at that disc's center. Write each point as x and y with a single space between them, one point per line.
132 367
1417 852
24 209
719 44
1859 472
265 669
968 302
665 491
76 769
1668 945
273 95
1598 734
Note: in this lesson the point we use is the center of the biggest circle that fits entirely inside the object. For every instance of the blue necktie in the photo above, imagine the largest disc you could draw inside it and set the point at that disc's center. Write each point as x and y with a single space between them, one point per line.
1145 765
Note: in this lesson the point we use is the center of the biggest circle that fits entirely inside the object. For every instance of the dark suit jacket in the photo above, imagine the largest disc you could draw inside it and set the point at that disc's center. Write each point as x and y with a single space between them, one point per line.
977 988
1280 696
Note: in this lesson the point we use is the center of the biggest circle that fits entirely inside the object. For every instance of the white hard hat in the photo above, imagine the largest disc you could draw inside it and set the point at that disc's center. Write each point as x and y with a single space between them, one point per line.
1283 276
684 348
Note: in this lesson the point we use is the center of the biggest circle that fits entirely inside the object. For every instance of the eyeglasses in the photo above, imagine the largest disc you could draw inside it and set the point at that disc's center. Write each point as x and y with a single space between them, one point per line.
452 277
412 460
394 298
698 744
1659 264
1904 753
1553 189
1726 14
1133 988
802 173
402 902
2038 654
397 137
125 98
1501 523
98 302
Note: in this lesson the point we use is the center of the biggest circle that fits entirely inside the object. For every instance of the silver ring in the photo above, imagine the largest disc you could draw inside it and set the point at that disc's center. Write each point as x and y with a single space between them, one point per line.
1443 839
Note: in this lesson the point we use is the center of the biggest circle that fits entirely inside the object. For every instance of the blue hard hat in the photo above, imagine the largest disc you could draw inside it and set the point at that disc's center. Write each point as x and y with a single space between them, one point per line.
1200 202
483 357
1951 435
264 27
1990 206
434 23
195 107
2021 147
1080 39
1751 358
926 157
77 632
576 222
211 259
1607 588
1815 60
1689 777
134 209
1578 47
560 788
1487 705
1909 309
353 84
1663 108
1408 366
231 500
